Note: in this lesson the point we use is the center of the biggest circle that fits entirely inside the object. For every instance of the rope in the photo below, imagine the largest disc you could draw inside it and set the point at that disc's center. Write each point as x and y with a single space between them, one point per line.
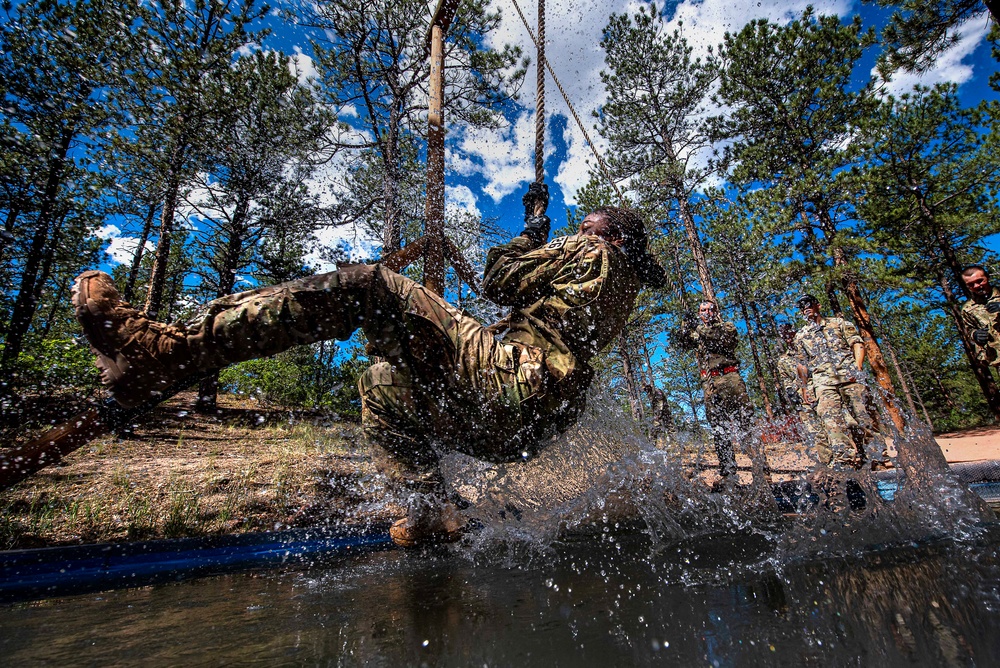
593 149
540 98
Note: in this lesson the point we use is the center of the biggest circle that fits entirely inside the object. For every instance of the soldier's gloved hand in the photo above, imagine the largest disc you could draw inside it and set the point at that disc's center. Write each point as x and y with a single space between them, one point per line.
536 228
981 336
993 307
538 193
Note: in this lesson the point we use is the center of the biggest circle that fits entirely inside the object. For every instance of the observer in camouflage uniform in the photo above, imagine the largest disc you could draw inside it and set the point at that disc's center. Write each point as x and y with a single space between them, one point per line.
793 385
727 404
977 317
827 349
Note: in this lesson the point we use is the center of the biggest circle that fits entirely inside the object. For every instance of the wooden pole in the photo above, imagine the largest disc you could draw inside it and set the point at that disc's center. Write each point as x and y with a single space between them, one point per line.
434 232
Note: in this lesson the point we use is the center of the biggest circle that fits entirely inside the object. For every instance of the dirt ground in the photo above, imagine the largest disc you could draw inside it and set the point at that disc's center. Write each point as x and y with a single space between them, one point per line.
253 468
970 445
247 468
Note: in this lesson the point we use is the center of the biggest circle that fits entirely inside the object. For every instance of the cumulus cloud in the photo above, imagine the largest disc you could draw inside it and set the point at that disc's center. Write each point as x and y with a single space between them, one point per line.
356 242
460 199
120 249
302 66
503 158
949 66
573 36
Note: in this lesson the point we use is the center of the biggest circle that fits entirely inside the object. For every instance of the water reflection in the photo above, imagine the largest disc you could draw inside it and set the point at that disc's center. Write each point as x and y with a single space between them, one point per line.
614 600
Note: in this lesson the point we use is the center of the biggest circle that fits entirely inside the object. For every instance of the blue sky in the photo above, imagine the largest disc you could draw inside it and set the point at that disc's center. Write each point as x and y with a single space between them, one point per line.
488 170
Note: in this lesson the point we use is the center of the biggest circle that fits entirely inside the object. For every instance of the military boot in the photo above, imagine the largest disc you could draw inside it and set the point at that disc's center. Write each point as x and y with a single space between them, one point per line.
430 519
138 357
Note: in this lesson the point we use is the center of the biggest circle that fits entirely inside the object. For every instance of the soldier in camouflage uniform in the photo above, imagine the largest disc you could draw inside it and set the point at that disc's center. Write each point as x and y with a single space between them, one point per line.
834 353
798 387
448 383
981 313
727 403
663 420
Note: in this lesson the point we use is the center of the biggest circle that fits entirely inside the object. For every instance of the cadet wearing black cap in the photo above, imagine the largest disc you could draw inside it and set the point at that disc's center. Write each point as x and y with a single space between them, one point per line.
834 353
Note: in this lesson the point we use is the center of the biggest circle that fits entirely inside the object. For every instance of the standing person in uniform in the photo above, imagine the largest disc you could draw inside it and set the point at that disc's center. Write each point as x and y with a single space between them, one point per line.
981 313
727 403
797 384
832 350
448 383
663 420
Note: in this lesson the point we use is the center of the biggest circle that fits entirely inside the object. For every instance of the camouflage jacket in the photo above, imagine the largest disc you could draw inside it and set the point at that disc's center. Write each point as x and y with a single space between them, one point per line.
714 345
788 372
976 316
570 297
827 350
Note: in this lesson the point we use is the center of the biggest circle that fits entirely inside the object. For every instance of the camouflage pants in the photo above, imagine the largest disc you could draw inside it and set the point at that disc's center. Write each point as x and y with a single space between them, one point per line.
446 382
815 433
730 414
849 426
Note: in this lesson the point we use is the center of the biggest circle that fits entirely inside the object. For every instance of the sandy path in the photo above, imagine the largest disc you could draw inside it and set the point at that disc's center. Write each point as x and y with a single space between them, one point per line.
971 445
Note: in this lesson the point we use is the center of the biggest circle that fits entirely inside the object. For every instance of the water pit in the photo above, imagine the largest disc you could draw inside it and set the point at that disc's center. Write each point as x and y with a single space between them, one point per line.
599 552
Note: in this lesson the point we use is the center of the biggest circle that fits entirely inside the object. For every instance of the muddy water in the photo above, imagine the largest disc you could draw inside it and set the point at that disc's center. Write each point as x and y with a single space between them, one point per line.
607 599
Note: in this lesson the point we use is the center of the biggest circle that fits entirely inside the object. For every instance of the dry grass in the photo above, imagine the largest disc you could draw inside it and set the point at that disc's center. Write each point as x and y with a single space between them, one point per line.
184 474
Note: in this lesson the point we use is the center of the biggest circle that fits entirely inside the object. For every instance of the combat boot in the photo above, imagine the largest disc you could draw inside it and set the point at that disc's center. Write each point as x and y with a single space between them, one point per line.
429 520
138 358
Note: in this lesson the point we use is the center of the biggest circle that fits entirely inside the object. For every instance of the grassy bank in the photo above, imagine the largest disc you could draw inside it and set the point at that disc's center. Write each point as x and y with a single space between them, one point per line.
246 468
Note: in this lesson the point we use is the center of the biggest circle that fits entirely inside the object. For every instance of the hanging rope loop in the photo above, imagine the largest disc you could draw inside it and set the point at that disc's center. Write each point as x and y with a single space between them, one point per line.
548 67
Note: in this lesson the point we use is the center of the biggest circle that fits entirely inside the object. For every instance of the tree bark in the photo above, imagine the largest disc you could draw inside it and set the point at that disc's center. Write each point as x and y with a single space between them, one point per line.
26 302
631 385
133 273
158 275
208 389
697 249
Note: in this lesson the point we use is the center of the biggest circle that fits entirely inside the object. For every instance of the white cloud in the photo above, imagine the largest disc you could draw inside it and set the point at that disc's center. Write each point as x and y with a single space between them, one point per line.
461 199
357 242
573 36
503 157
302 66
107 232
121 250
948 67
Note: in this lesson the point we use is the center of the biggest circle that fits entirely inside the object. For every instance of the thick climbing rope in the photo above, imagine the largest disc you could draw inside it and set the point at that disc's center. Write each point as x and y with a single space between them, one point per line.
540 98
539 119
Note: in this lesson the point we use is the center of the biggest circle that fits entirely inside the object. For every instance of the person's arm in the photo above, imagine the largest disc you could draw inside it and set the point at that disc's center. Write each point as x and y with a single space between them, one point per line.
519 272
853 339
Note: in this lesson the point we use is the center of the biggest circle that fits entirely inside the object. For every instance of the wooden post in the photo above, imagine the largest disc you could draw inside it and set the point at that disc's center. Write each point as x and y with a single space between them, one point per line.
434 251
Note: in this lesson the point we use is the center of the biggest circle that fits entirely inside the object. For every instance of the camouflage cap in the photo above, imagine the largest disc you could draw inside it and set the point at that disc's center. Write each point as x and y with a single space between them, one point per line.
806 298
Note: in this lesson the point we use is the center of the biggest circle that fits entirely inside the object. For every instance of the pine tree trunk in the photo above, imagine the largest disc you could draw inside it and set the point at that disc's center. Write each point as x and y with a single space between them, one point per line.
133 274
26 302
697 250
158 274
631 384
208 390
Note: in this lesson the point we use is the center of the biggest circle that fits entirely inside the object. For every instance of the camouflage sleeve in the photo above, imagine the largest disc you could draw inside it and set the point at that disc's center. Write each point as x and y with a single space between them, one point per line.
786 373
685 337
972 320
728 335
518 272
850 333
